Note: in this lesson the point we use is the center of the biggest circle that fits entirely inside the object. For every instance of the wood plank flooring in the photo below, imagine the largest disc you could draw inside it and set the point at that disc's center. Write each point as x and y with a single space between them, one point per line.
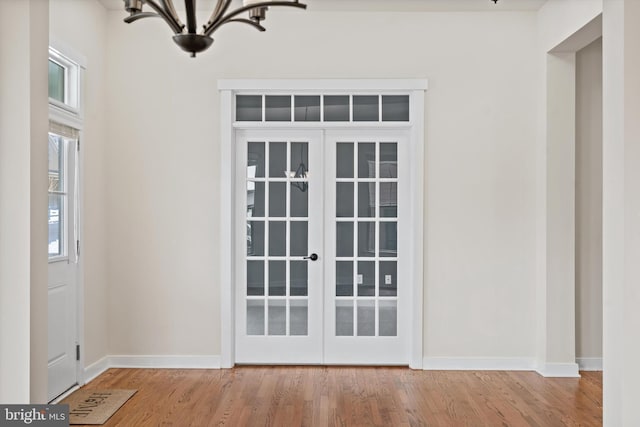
352 396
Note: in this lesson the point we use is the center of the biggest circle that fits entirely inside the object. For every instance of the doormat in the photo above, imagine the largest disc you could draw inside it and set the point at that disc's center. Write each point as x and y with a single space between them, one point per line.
95 406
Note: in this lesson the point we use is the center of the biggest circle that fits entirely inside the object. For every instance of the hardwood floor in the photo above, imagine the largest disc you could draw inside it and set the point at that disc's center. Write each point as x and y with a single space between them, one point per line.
349 396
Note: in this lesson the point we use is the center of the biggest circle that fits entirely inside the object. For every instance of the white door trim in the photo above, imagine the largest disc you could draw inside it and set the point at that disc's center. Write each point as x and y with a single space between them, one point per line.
228 215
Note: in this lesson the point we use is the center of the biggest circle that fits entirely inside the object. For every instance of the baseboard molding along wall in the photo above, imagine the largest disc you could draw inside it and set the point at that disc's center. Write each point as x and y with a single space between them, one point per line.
157 362
589 363
477 364
559 370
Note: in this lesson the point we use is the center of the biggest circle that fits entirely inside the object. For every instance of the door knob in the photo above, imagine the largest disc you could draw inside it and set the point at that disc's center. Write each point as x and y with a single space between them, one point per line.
312 257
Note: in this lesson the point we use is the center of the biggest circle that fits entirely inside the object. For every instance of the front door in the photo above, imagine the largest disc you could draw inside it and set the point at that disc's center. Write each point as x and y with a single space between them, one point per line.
319 265
63 257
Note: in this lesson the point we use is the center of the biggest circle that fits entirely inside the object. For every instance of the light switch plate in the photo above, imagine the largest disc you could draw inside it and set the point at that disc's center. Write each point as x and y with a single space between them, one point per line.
387 279
360 279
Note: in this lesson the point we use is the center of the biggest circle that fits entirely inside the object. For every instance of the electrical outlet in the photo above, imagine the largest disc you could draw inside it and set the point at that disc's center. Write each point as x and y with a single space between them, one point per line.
387 279
360 279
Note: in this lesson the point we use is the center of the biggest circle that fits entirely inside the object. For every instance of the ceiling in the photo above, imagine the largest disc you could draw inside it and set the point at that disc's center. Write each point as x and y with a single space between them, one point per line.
383 5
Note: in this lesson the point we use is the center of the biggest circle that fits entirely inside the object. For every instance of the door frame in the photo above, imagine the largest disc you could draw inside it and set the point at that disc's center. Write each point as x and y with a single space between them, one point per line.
229 219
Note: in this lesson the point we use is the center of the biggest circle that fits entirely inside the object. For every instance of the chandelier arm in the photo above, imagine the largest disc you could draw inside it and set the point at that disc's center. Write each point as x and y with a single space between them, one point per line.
250 22
164 15
223 20
171 10
132 18
190 6
219 10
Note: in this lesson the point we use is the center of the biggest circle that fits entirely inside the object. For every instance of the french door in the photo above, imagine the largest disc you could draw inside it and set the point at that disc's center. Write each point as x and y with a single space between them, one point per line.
319 256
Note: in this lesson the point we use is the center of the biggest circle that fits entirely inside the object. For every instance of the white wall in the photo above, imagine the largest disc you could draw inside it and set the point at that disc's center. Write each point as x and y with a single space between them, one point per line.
81 26
23 201
480 170
621 205
568 24
589 201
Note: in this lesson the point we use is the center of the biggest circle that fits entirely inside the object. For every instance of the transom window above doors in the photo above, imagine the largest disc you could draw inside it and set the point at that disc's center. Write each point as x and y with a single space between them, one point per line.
372 108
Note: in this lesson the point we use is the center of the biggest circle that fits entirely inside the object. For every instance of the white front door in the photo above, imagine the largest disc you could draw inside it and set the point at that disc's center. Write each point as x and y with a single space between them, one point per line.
319 265
63 257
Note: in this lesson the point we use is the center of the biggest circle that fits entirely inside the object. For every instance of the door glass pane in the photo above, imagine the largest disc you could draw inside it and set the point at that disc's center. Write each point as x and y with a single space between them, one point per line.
367 199
249 108
56 225
388 318
366 239
277 199
255 278
277 278
255 163
388 200
299 238
389 160
366 318
299 159
307 108
365 108
344 278
388 239
255 317
388 285
344 239
299 278
395 108
336 108
255 238
277 159
255 199
344 199
366 160
56 163
56 81
299 199
277 317
344 160
344 318
366 278
277 108
298 317
277 238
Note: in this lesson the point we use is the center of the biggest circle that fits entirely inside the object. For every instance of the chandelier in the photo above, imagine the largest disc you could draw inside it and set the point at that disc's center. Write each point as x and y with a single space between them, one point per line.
191 41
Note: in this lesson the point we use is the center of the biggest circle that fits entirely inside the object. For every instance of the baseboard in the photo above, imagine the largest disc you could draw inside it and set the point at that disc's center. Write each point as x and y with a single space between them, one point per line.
589 363
95 369
477 364
165 362
559 370
158 362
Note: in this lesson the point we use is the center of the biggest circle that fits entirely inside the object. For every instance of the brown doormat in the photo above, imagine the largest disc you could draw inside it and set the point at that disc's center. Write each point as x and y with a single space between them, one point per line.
96 406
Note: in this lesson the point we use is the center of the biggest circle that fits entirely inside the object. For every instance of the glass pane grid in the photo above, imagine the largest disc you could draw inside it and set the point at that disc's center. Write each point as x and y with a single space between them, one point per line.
326 108
280 312
372 303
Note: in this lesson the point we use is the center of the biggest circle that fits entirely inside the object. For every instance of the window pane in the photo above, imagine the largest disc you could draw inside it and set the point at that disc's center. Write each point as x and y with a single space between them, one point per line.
365 108
388 318
277 108
367 160
366 278
277 317
255 199
388 279
56 163
344 278
277 159
345 160
277 199
56 81
307 108
336 108
255 278
366 199
344 239
277 238
388 239
255 164
367 239
56 225
388 199
389 160
395 108
277 278
298 281
255 238
249 108
298 317
299 238
255 317
366 319
344 200
344 318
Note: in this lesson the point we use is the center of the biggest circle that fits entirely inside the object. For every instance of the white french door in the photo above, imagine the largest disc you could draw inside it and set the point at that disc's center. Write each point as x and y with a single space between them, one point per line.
319 256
